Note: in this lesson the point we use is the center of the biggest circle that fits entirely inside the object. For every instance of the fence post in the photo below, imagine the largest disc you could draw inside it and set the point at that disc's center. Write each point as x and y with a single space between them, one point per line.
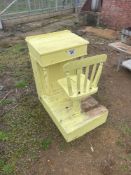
29 5
77 2
1 25
56 3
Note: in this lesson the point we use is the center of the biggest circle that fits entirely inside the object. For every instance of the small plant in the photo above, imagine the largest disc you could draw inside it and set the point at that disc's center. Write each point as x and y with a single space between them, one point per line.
1 163
129 157
126 129
21 84
5 102
120 143
46 143
3 136
63 146
19 48
8 169
124 168
2 67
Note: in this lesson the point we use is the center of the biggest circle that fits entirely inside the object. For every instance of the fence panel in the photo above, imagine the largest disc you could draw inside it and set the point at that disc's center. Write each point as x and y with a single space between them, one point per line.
14 8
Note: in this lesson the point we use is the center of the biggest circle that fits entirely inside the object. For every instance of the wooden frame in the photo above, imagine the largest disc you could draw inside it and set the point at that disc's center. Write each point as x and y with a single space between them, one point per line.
49 53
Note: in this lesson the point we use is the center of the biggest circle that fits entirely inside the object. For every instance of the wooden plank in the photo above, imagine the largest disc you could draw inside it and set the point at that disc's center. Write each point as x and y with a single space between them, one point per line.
71 123
93 74
86 78
98 74
69 84
84 62
63 83
56 47
121 47
78 80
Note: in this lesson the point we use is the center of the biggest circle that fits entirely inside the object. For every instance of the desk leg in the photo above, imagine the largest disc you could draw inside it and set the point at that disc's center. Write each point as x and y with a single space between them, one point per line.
119 63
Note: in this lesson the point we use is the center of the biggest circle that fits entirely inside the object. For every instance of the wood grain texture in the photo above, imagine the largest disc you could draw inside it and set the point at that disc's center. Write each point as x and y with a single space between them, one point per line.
61 92
71 123
80 83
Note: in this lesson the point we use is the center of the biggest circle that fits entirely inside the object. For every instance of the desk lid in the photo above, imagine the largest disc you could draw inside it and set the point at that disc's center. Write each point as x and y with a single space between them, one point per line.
56 41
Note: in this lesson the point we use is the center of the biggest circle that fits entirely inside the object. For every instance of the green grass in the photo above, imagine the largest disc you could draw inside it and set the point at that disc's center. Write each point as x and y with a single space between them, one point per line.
120 143
19 48
124 168
21 84
5 102
2 68
129 157
126 129
3 136
2 163
46 143
8 169
30 128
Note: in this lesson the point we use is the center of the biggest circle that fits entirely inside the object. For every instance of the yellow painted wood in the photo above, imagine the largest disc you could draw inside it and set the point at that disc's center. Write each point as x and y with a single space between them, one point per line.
71 123
98 74
63 83
86 78
49 53
69 84
80 81
76 106
92 74
85 62
63 46
55 41
56 47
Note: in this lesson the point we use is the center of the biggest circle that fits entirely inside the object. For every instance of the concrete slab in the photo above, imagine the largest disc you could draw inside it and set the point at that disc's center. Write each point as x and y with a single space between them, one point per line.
127 64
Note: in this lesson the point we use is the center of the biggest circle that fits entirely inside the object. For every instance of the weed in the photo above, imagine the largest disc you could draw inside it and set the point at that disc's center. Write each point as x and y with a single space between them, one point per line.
2 67
21 84
63 146
18 73
120 143
2 163
124 168
129 157
126 129
46 143
5 102
8 169
17 48
3 136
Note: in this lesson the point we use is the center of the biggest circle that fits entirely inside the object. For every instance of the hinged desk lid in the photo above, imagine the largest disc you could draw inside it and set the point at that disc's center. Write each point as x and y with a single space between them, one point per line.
46 45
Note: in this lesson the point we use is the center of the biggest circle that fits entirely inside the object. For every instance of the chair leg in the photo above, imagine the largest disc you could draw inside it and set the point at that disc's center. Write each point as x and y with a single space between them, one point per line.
76 106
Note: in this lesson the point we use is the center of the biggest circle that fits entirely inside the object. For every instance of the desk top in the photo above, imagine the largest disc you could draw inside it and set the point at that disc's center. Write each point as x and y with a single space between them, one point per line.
56 41
56 47
121 47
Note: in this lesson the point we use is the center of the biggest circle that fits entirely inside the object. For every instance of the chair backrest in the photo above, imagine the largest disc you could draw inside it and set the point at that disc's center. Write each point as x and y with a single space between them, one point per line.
93 69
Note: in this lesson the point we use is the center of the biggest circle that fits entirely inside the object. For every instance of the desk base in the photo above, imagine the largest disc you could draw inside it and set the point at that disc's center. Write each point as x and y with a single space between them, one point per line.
73 124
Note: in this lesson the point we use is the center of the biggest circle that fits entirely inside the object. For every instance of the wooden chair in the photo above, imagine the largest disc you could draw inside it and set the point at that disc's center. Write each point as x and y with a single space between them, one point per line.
82 77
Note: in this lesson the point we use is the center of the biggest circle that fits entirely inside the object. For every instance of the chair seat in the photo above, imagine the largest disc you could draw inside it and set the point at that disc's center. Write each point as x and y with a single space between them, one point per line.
89 91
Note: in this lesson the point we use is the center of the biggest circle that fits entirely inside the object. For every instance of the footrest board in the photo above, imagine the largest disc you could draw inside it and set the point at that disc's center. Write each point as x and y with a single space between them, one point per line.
73 124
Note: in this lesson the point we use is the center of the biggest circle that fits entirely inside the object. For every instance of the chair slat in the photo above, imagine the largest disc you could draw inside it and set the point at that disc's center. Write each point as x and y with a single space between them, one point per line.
77 85
98 74
69 84
78 80
86 78
93 74
85 62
